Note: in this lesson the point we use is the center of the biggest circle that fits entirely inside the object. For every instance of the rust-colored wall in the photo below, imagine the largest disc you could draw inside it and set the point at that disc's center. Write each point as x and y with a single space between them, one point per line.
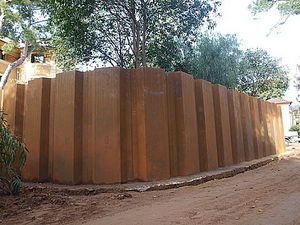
183 136
265 128
237 142
271 128
247 127
9 103
115 125
36 129
280 129
101 126
67 128
13 104
51 127
150 124
223 131
256 125
207 140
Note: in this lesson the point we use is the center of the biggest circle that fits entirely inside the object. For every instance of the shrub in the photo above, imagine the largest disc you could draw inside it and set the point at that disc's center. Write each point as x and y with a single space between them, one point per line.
295 128
12 158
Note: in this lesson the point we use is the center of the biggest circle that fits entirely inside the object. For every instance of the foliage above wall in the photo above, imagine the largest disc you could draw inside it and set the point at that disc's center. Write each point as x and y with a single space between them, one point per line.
22 22
219 59
129 33
286 7
262 75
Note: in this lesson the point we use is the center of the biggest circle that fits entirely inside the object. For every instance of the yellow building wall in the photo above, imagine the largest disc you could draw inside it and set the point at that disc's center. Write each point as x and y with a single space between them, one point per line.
3 66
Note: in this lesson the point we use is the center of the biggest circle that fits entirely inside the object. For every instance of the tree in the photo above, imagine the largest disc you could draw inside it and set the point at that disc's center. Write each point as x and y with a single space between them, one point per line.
261 75
20 22
215 58
286 7
126 33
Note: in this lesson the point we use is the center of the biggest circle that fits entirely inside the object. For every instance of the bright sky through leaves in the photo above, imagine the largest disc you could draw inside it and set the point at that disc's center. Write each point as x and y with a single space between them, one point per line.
282 42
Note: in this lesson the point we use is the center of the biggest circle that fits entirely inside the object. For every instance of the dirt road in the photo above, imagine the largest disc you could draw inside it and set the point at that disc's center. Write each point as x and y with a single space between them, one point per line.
269 195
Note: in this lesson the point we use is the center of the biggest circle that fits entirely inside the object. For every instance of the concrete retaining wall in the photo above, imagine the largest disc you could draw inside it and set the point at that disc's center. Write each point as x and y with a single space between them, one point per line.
115 125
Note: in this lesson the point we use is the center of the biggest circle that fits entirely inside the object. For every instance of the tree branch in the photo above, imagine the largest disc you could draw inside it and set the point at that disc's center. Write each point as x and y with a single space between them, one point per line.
12 66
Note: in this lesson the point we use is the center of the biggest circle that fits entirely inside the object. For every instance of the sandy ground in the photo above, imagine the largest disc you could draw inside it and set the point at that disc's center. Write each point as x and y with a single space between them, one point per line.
269 195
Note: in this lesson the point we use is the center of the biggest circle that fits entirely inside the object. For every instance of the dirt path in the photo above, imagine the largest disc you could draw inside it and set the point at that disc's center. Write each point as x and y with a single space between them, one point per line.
267 195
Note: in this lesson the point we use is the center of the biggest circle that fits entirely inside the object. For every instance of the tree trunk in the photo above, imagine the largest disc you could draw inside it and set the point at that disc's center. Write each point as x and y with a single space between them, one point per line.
144 24
135 35
2 18
14 65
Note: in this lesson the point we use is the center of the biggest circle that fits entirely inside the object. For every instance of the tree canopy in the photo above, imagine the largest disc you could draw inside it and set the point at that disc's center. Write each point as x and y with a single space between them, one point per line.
20 21
219 59
261 75
126 33
286 7
215 58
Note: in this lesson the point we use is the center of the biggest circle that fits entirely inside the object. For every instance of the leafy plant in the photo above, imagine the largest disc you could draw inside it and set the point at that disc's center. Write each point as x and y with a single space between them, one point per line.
12 158
295 128
125 33
261 75
21 22
215 58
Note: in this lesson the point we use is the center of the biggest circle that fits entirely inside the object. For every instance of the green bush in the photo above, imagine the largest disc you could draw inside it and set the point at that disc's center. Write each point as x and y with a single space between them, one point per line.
12 158
295 128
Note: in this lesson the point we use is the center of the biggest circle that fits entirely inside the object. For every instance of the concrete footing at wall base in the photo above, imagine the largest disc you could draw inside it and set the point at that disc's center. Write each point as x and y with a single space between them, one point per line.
175 182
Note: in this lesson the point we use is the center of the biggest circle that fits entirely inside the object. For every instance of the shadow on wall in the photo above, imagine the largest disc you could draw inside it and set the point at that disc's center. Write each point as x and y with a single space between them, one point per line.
115 125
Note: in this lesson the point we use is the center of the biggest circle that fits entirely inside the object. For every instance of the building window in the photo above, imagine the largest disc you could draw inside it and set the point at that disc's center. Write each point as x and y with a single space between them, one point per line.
37 58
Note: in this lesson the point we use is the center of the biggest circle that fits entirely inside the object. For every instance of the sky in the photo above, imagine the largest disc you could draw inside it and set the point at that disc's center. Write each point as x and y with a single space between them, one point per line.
283 42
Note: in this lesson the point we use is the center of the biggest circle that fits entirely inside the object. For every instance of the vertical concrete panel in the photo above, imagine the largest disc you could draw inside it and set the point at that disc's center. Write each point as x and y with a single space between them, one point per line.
101 119
9 104
234 105
36 129
51 126
223 132
271 128
13 106
247 127
175 122
275 127
138 125
263 128
267 128
19 111
258 151
280 130
67 128
125 126
88 126
183 137
208 153
150 124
